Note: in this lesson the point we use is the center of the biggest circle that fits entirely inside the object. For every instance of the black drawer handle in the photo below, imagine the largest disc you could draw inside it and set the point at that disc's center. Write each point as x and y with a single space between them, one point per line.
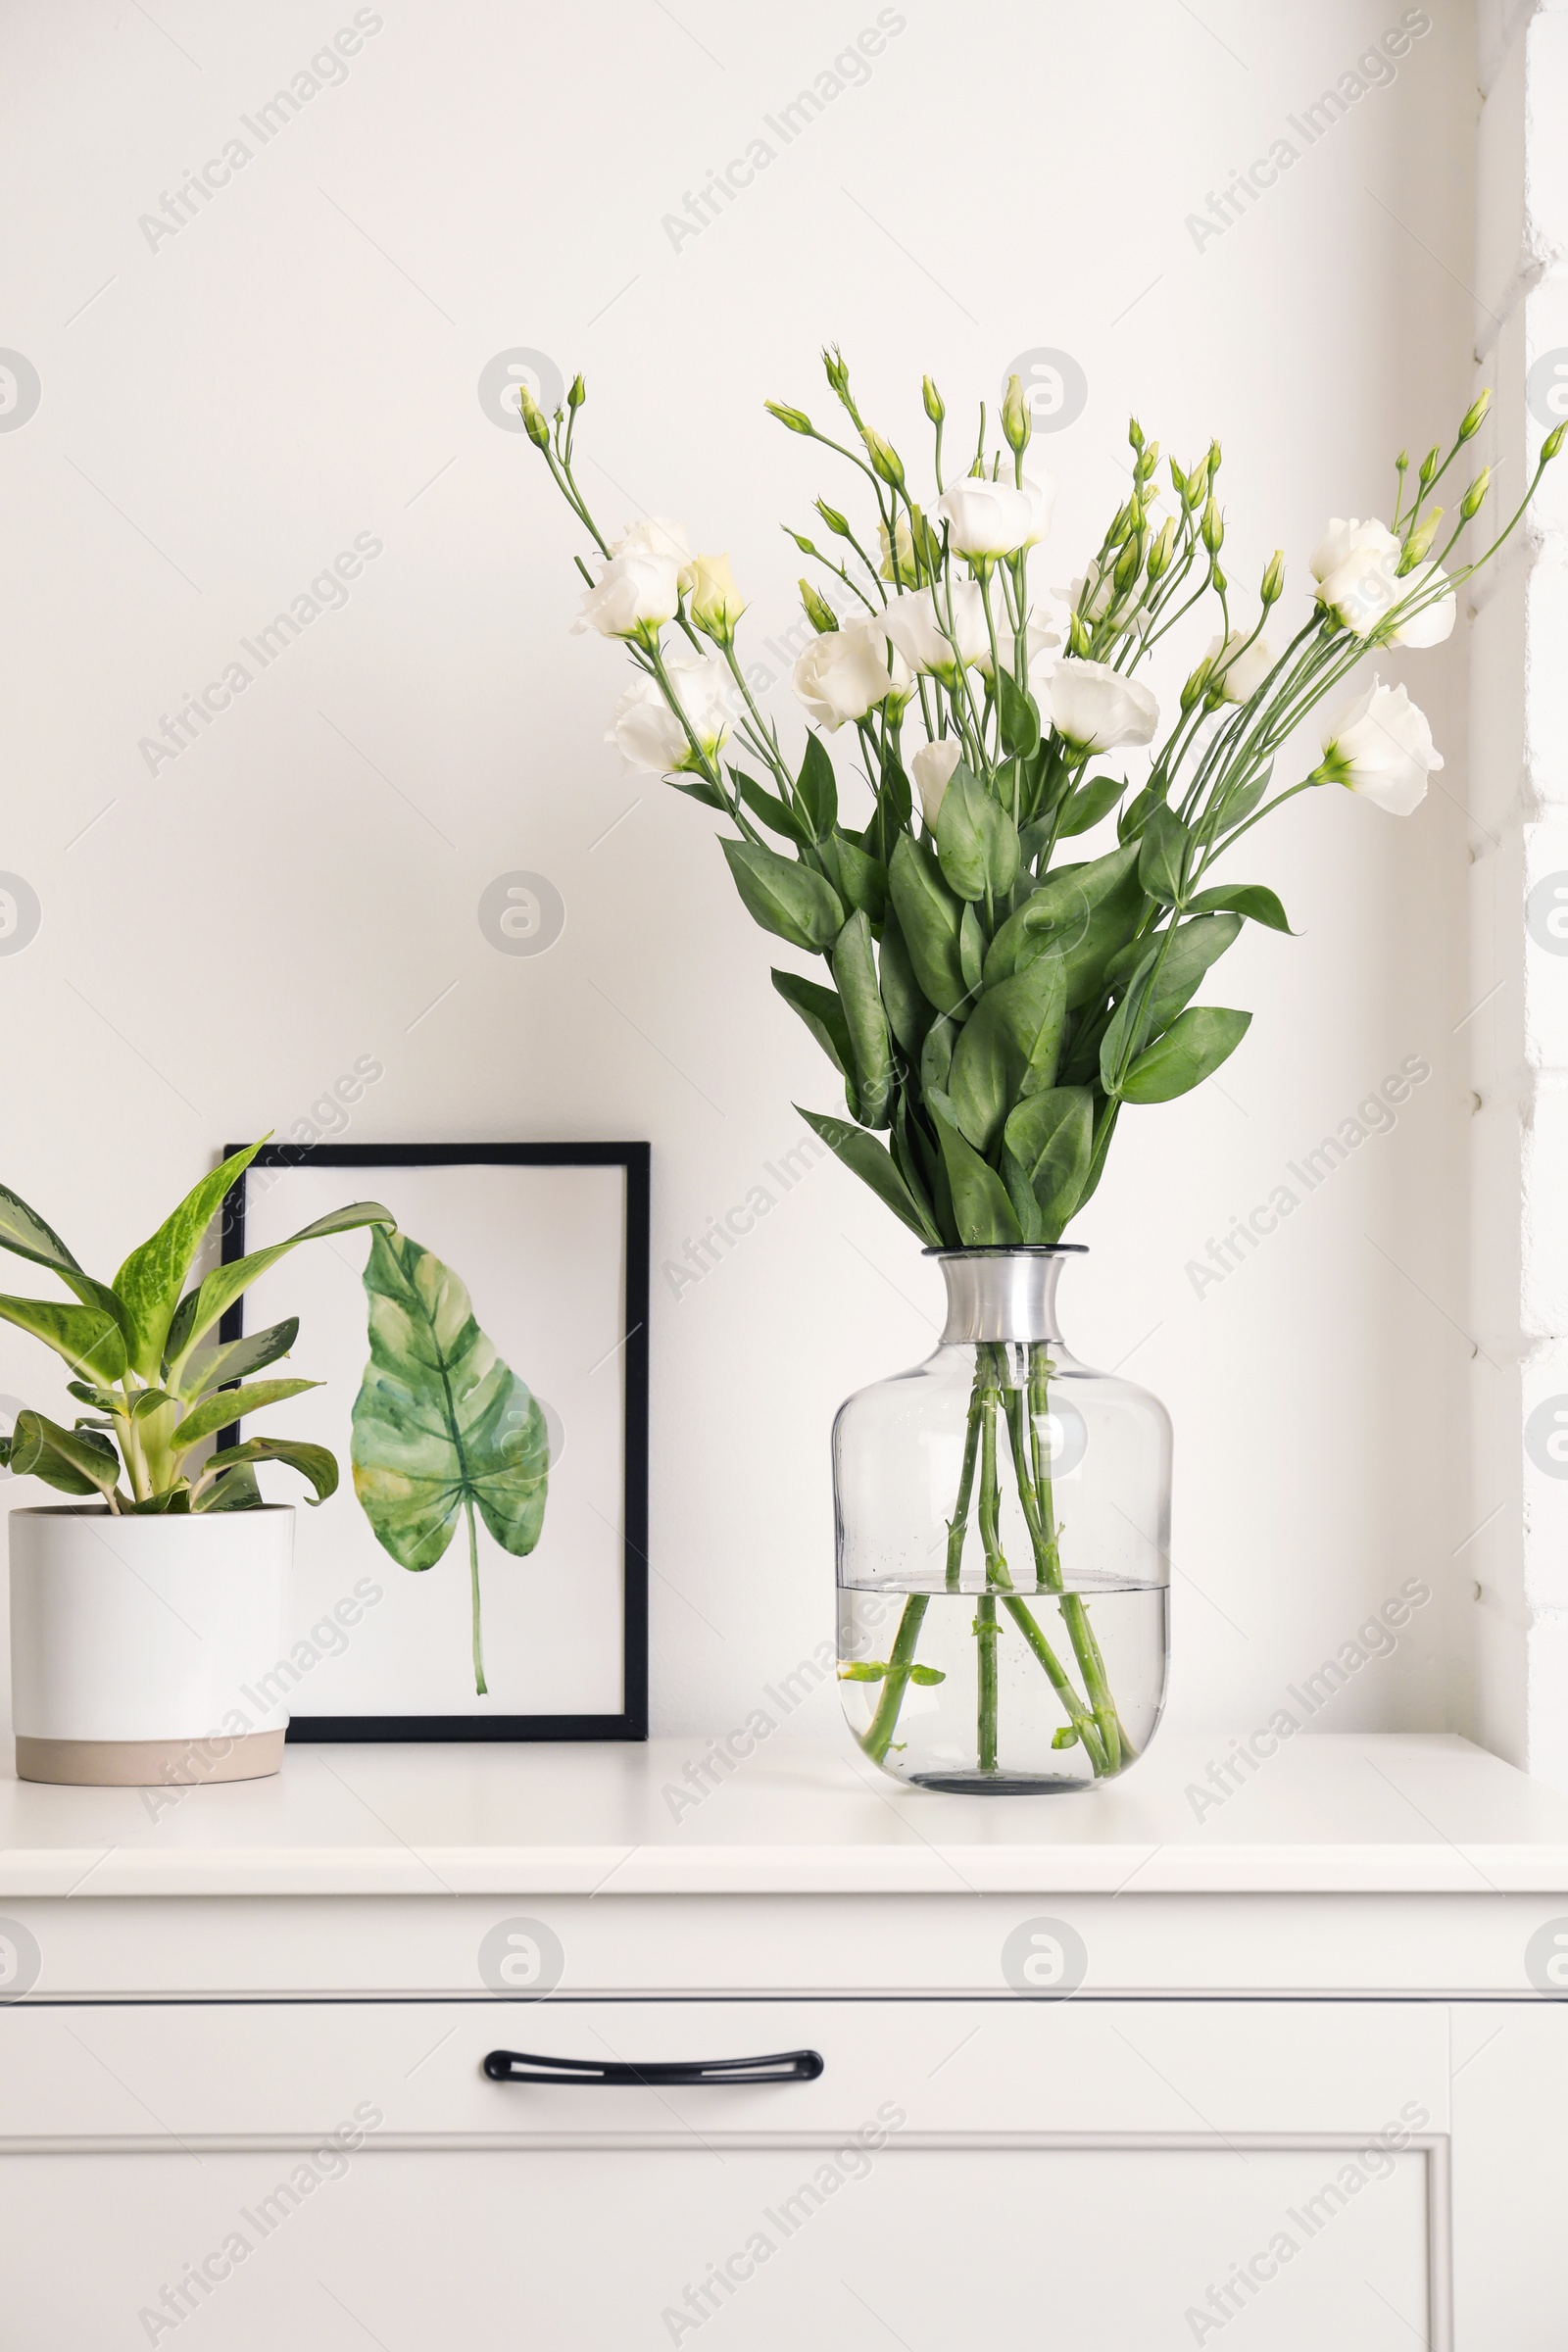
787 2065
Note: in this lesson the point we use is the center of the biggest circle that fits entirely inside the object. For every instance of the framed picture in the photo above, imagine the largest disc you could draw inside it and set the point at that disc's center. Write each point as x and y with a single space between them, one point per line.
481 1572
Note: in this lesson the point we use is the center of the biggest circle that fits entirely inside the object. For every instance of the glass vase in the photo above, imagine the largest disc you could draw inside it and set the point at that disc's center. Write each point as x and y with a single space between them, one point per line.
1004 1536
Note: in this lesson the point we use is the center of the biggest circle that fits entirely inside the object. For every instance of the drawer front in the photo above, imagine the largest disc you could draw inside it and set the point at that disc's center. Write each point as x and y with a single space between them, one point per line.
177 2073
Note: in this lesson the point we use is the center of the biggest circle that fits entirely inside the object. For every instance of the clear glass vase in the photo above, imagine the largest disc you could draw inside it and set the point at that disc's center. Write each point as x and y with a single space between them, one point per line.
1003 1535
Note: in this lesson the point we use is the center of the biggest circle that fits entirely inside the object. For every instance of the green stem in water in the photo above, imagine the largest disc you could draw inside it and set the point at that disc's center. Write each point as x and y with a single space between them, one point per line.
877 1737
986 1631
480 1683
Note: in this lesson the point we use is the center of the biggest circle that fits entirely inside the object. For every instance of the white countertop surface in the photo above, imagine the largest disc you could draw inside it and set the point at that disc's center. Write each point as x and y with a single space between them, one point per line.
1347 1813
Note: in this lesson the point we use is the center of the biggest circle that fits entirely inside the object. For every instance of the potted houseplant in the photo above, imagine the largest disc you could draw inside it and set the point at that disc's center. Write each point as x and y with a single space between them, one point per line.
145 1613
998 1005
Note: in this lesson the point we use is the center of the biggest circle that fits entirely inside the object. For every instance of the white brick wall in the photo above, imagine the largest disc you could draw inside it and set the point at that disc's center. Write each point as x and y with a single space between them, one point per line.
1519 720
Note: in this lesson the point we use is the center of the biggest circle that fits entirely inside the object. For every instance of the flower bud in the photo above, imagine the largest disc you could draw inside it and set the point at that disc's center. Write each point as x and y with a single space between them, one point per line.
1214 528
1217 578
716 602
1197 686
793 418
836 522
535 422
1148 459
1420 540
838 375
1474 416
1129 563
577 395
1016 423
935 405
1213 460
1180 484
1401 464
1471 504
886 463
1429 468
1078 637
1135 433
822 615
1554 441
1273 584
1160 555
807 545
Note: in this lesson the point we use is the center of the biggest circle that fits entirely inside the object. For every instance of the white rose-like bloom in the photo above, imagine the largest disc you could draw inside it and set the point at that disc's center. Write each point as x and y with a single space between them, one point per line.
1356 566
1040 639
1382 748
985 518
910 623
932 766
1244 672
1097 709
1435 622
648 734
846 673
656 535
635 590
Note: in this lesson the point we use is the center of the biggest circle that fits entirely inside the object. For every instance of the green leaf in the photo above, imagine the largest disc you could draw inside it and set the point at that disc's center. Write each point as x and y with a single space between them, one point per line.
90 1340
76 1461
1020 1191
1134 817
197 1311
1090 802
314 1462
1016 715
971 953
1190 1050
1060 915
908 1013
981 1209
936 1054
1008 1049
696 788
784 896
23 1230
442 1427
1251 899
872 1162
771 808
153 1277
1166 844
929 917
977 841
149 1401
823 1014
216 1361
817 787
895 805
855 970
1051 1136
228 1406
1197 946
233 1489
103 1400
859 879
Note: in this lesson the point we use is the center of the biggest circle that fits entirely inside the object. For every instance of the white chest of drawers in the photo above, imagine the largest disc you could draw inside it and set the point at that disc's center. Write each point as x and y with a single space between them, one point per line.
1092 2070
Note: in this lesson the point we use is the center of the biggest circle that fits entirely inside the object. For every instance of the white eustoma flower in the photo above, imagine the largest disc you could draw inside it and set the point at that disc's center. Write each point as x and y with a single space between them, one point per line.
635 591
649 735
847 672
1357 569
932 767
1097 709
911 624
656 535
1040 639
716 601
1435 622
985 519
1382 748
1244 669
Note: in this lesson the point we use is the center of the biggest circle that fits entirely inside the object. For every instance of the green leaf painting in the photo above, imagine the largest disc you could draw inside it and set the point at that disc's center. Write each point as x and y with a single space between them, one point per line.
441 1426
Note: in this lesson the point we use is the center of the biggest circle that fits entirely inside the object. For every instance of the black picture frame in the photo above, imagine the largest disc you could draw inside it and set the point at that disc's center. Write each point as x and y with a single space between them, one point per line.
634 1157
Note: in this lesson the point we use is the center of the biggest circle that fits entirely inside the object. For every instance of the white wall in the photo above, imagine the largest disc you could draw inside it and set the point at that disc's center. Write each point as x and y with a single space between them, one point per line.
222 414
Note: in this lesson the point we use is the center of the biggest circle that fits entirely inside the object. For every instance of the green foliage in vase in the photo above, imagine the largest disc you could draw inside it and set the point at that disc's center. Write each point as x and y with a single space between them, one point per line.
992 1004
441 1426
146 1357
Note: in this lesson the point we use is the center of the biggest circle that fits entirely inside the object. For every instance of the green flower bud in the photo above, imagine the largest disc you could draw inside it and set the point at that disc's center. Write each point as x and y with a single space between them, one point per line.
1135 433
1078 637
821 616
1475 415
836 522
1017 422
1429 468
886 463
838 375
1401 464
1420 540
535 422
577 395
1218 579
1197 686
1554 441
1160 555
1273 584
1475 497
1214 528
1213 460
793 418
935 405
801 542
1129 563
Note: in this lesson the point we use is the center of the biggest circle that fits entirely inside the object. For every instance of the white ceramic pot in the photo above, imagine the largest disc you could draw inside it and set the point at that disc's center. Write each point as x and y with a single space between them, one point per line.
145 1649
